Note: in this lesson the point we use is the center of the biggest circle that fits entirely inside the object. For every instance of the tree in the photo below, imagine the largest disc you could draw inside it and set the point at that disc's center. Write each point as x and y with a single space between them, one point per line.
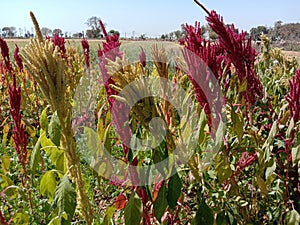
46 31
257 31
77 35
111 32
95 29
58 31
178 34
9 31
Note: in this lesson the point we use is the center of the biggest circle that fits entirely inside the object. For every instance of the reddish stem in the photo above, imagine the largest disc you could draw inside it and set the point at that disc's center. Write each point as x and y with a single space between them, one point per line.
2 219
202 6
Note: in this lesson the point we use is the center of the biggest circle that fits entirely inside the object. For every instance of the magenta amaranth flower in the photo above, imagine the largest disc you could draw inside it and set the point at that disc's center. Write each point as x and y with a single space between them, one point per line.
60 42
18 58
110 49
204 61
19 135
86 51
240 53
142 57
293 97
5 55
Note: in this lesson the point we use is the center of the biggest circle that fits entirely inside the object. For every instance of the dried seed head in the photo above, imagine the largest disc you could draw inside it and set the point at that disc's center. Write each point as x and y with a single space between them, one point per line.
36 27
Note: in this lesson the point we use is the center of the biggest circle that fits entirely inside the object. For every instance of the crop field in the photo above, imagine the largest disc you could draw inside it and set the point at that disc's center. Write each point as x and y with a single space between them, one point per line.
149 132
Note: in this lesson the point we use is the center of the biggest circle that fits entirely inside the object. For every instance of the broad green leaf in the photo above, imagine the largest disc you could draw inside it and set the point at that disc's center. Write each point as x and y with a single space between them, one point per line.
55 221
54 129
133 210
44 120
5 162
202 124
223 171
55 154
161 202
65 199
243 86
93 141
204 215
21 218
174 190
292 218
5 134
6 183
219 136
48 185
270 170
290 128
262 185
221 218
35 156
109 214
237 124
268 145
296 155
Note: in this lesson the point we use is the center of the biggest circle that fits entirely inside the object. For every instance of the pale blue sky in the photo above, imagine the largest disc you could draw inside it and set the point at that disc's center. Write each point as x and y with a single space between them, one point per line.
152 17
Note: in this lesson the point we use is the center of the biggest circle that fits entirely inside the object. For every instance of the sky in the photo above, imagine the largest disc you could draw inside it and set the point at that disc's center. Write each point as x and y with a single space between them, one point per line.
152 17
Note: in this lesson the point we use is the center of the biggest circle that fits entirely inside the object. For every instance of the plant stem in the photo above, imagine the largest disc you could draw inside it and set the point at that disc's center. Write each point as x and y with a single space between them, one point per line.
73 162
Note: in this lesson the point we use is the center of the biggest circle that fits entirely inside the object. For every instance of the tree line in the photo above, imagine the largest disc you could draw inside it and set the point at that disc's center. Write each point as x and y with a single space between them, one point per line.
279 32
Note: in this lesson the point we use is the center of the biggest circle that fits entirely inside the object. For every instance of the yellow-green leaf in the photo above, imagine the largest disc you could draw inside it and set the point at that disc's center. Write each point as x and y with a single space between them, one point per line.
48 185
5 162
44 120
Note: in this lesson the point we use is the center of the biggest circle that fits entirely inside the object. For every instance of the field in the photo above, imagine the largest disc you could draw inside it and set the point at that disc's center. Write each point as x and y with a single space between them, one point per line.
190 133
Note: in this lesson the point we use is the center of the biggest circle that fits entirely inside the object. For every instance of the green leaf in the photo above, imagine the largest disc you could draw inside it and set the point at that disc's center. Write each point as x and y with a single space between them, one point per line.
237 124
290 128
221 218
219 136
35 156
48 185
292 218
243 86
21 218
270 170
204 215
296 155
55 221
55 154
44 120
5 162
55 129
223 171
161 202
108 215
262 186
5 183
65 199
93 141
174 190
268 145
133 210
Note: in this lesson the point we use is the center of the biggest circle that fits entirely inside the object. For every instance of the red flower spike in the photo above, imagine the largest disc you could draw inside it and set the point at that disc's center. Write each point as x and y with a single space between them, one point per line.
142 57
86 51
110 49
240 53
60 42
18 58
5 55
204 62
293 97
